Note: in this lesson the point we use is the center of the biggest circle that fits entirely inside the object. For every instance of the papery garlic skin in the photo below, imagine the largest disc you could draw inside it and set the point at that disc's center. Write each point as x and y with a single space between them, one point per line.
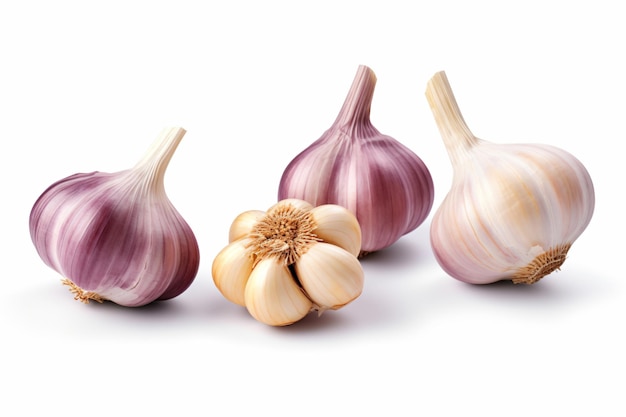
294 259
232 268
337 226
117 236
513 210
244 223
330 275
381 181
272 296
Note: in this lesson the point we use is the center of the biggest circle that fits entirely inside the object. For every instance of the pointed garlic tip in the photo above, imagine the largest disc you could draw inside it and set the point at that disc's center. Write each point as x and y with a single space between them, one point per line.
356 107
383 183
292 247
116 236
156 160
513 210
456 135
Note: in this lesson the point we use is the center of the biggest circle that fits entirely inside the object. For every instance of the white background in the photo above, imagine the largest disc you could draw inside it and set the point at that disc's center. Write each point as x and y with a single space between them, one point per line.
88 86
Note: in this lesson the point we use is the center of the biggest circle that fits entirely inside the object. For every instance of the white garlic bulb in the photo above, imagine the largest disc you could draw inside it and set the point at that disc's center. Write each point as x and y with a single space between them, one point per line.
513 210
382 182
116 236
292 259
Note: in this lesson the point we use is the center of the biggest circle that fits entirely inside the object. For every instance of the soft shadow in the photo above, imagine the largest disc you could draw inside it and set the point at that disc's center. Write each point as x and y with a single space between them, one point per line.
411 254
51 306
313 323
401 253
161 314
408 252
559 289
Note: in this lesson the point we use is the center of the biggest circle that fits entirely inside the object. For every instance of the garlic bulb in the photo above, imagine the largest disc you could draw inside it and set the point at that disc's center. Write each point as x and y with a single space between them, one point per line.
117 236
382 182
292 259
513 210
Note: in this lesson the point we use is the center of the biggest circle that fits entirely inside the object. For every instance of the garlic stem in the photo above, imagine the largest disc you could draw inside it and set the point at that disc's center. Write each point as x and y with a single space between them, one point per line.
154 163
355 112
455 133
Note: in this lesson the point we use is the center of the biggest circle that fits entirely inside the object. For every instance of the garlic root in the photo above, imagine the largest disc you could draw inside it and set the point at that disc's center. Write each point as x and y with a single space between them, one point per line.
80 295
544 264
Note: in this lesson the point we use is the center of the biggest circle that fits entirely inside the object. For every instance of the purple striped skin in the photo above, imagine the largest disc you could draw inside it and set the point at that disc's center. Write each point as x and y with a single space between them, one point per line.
115 235
382 182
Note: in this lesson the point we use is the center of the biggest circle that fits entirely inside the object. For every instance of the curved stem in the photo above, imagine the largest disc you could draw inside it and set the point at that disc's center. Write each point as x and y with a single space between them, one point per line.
155 161
356 107
457 137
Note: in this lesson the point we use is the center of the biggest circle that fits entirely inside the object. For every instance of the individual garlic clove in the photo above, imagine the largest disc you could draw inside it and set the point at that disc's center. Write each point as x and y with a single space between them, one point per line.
231 268
331 276
381 181
243 224
116 236
338 226
513 210
272 295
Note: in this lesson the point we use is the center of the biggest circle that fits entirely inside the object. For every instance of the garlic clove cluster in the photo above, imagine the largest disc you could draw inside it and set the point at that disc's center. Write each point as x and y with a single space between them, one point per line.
513 210
292 259
117 236
382 182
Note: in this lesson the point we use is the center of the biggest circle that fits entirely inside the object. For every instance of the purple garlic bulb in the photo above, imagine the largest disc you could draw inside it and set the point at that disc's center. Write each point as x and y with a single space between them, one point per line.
382 182
117 236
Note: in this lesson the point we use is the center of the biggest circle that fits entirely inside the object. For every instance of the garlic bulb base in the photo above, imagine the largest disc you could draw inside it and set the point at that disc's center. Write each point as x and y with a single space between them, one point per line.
542 265
286 232
82 295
